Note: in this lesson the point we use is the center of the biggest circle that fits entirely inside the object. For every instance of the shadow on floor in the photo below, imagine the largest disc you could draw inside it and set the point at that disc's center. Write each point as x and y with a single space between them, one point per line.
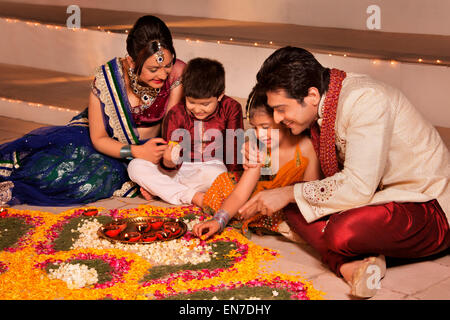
395 262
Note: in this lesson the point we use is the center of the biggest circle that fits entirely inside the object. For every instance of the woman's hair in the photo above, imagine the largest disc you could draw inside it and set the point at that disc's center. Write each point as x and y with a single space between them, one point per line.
257 101
143 38
294 70
203 78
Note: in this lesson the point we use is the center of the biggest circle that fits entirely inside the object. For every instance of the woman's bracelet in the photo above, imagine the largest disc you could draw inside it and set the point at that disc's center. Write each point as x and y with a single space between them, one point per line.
125 152
222 216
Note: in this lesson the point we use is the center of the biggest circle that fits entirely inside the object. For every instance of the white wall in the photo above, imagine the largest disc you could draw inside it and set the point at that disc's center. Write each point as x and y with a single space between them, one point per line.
404 16
80 52
425 85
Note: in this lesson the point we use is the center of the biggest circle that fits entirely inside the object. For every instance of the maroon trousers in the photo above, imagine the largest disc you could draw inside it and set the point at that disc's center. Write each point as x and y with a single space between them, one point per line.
401 230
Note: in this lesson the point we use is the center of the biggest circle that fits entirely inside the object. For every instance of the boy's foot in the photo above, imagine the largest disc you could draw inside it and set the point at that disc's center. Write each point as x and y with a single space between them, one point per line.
147 195
197 199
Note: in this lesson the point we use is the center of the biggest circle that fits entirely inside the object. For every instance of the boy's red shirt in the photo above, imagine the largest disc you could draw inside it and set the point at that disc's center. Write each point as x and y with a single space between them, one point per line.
228 115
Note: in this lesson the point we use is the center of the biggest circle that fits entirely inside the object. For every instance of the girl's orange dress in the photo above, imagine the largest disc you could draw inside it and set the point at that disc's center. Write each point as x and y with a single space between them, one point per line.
292 172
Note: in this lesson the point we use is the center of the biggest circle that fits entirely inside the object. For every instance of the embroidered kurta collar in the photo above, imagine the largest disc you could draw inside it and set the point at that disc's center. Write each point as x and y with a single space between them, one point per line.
321 109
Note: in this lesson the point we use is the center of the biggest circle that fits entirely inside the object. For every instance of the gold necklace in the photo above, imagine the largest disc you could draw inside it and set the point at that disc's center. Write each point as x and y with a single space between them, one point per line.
146 94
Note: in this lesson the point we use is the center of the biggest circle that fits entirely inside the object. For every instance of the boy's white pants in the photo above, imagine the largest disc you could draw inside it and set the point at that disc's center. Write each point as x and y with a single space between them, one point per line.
180 186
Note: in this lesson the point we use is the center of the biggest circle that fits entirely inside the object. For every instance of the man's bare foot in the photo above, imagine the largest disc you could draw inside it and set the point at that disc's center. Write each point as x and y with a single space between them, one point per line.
347 269
364 276
147 195
197 199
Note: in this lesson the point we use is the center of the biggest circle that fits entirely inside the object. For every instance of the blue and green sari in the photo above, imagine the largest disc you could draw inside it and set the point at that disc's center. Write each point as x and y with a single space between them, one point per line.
59 166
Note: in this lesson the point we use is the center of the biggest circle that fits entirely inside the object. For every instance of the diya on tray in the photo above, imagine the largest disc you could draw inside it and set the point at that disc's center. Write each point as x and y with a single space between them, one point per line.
142 230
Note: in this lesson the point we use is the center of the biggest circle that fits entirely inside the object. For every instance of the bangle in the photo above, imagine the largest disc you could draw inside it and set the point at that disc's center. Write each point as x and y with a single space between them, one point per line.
125 152
222 216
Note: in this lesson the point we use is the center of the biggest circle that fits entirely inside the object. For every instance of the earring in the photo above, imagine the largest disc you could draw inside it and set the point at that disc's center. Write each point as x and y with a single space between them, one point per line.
133 80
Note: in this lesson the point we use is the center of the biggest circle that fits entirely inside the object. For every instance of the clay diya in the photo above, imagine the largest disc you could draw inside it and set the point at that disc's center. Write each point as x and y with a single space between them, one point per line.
111 230
90 212
121 224
172 228
143 227
161 235
3 212
149 236
132 236
156 224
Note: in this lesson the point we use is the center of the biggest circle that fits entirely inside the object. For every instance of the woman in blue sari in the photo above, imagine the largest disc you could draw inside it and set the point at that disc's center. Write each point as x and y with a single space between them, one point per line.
86 160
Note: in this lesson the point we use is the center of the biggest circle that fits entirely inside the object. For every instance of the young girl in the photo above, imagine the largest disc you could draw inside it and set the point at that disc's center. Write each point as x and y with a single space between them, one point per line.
297 161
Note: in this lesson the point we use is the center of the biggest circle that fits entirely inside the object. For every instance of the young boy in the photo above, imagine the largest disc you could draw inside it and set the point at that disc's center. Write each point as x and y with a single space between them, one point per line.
196 126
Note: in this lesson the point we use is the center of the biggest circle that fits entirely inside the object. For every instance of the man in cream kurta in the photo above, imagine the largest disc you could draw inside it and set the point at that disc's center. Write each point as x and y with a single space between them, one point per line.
386 194
388 150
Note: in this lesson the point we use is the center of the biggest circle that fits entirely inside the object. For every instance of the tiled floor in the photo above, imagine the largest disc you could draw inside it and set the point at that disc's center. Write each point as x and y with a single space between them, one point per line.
422 279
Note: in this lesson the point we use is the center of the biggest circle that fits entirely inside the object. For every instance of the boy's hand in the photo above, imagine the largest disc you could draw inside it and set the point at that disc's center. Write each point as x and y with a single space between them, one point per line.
167 156
172 154
211 225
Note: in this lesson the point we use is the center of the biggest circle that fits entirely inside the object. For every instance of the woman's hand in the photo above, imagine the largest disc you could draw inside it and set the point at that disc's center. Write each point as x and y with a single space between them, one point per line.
267 202
212 227
150 150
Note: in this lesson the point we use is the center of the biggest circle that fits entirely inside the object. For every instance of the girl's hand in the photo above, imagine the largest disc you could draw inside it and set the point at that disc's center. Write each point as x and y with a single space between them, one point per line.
212 227
252 156
150 150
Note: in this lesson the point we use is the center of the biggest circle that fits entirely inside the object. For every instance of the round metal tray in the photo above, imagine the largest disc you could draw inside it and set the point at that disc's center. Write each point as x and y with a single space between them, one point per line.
132 226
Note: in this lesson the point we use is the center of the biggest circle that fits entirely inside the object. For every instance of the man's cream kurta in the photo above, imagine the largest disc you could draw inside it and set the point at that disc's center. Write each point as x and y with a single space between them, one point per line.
389 152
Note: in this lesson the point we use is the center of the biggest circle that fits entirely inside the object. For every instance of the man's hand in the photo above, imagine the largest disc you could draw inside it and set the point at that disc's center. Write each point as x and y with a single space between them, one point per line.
267 202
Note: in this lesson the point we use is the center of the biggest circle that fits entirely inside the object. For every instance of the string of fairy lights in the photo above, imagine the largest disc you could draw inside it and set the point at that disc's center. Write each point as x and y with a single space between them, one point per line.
228 40
38 105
